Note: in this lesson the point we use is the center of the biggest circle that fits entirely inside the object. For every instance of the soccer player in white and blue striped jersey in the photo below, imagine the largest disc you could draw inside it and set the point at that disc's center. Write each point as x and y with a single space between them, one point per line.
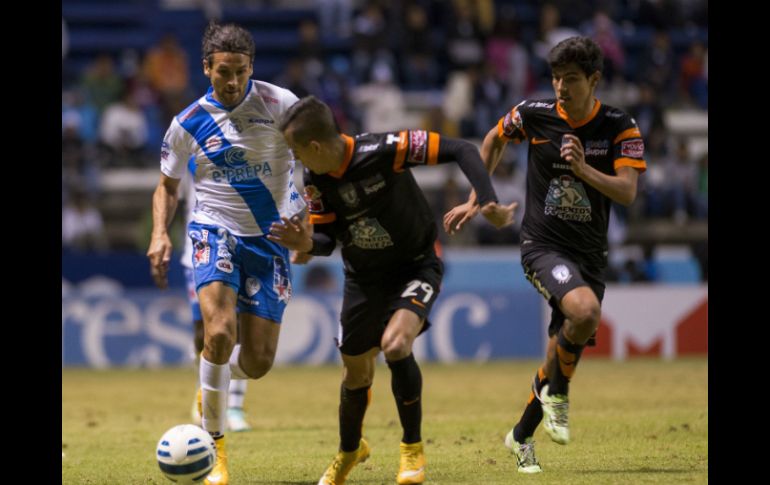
242 171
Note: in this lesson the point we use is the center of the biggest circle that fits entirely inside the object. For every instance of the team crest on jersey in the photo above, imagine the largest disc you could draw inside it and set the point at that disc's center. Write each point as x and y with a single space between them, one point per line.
213 143
281 281
632 148
367 233
349 195
561 273
567 200
235 157
418 146
313 199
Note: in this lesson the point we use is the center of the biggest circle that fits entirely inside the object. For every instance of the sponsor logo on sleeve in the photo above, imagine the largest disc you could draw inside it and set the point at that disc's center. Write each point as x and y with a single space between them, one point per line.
632 148
511 122
418 146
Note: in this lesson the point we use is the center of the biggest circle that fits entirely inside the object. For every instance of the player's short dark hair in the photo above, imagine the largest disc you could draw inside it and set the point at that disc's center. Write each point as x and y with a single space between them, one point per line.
583 51
311 119
227 38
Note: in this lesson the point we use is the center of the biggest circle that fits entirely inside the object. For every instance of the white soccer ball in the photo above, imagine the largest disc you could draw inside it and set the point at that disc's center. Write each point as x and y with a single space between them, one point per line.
186 454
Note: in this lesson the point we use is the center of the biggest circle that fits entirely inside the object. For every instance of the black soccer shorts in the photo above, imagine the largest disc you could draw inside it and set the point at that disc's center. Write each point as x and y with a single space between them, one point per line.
368 305
554 275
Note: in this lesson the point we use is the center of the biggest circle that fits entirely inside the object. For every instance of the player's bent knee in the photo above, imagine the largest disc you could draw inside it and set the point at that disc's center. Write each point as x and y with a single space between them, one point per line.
219 345
354 382
256 366
397 348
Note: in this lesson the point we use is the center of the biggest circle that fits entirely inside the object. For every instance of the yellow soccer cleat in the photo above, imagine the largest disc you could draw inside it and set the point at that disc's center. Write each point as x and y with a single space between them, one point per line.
219 475
412 468
344 462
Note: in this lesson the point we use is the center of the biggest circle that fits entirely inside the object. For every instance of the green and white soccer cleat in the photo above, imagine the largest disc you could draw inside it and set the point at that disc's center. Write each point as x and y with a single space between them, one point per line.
555 415
524 452
236 420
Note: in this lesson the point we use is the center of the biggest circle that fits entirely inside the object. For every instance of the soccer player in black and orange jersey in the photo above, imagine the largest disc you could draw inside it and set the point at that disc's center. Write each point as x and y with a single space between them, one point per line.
361 193
582 156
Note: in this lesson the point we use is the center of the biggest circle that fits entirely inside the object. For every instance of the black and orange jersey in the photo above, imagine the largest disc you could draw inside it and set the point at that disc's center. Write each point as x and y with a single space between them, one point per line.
562 211
372 204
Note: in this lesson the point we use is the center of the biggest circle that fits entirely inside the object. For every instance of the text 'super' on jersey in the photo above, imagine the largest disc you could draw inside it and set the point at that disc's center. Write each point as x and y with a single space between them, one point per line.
372 204
563 211
241 164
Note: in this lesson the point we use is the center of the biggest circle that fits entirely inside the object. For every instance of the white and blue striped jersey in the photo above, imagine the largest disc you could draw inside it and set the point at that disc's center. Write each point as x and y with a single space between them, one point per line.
242 167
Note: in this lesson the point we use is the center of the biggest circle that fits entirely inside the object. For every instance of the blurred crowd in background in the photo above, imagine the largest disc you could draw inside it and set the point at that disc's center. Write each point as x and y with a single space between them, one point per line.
453 66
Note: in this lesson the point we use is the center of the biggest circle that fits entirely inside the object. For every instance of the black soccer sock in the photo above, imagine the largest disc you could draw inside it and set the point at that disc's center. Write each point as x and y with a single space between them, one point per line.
353 404
406 382
567 357
533 412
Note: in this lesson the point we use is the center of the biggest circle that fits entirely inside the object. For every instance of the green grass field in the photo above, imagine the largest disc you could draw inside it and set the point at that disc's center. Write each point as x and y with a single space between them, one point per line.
642 421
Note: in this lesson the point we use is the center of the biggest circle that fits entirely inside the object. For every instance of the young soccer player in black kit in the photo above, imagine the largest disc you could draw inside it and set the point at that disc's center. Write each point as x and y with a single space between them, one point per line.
582 156
360 192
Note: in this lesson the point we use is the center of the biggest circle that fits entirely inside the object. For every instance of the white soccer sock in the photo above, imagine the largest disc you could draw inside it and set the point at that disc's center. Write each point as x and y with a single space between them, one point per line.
215 380
235 368
237 393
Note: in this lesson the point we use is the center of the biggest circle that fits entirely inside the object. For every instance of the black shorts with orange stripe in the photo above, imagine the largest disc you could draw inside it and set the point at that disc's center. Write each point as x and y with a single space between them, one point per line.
368 305
554 274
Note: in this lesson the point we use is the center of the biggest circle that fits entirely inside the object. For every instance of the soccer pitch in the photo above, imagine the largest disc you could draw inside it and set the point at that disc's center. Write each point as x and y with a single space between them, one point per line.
641 421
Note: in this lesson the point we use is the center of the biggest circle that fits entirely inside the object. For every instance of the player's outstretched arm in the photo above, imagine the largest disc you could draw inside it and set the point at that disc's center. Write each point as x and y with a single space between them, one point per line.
499 215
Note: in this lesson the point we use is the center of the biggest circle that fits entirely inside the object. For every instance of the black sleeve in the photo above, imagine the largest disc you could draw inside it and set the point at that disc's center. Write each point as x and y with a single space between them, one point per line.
323 241
467 157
